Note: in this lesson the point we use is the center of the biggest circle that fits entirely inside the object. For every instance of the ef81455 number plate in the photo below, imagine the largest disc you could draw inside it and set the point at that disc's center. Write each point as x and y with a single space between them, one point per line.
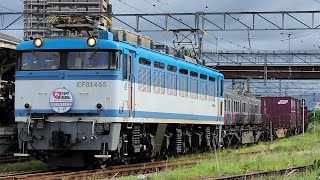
90 84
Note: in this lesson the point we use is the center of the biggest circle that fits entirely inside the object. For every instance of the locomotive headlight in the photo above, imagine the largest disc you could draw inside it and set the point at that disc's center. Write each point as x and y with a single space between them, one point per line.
91 41
27 106
99 106
37 42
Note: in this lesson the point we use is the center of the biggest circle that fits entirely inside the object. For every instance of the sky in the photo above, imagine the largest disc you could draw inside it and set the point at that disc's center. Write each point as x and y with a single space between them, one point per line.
236 40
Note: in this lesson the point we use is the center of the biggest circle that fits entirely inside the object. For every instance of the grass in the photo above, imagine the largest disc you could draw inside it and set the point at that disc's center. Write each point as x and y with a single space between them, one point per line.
22 167
283 153
295 176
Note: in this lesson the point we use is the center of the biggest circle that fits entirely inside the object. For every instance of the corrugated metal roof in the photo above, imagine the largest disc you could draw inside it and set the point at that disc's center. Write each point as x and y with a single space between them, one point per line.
9 39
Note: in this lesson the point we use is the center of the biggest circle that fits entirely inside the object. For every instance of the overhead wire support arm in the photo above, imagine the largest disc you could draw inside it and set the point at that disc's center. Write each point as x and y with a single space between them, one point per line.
238 20
273 20
14 21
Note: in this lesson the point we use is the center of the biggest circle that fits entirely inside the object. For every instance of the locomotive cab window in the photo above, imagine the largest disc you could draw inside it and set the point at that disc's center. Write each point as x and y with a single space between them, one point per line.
93 60
183 71
159 65
40 60
172 68
193 74
145 61
204 77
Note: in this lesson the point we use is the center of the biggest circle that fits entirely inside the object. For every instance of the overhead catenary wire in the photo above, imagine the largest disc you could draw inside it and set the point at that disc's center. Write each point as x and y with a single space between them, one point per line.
9 9
153 16
144 12
231 42
181 21
317 1
223 39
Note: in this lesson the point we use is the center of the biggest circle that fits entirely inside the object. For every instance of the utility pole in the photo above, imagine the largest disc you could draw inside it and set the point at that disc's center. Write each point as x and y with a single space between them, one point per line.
314 104
280 87
303 104
289 38
199 32
248 85
217 37
249 40
286 90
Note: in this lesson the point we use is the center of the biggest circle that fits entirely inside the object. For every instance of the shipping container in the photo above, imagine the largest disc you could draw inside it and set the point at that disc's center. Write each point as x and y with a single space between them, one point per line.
281 111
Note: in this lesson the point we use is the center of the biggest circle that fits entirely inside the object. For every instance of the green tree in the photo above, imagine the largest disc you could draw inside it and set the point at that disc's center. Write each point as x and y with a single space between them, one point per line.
311 116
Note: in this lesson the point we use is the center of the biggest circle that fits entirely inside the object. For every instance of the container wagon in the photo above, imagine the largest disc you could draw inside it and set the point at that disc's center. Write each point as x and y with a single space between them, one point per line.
281 112
242 118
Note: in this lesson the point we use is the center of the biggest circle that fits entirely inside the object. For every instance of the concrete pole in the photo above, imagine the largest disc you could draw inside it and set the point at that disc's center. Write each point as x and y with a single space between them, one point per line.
314 105
233 84
217 37
248 85
303 118
289 35
271 135
220 137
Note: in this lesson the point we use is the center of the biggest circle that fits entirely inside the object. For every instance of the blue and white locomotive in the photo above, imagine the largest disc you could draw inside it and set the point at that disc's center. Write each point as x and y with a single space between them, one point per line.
84 100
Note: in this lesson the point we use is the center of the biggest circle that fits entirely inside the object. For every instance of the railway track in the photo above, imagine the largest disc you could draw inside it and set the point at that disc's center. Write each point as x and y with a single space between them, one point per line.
254 175
8 159
142 168
108 172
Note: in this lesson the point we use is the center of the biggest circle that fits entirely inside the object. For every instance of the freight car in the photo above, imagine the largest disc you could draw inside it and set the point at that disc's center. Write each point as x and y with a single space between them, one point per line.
111 97
285 114
246 122
242 119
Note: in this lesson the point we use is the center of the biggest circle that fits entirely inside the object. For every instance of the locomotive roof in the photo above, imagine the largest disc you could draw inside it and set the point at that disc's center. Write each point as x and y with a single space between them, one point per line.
58 43
67 43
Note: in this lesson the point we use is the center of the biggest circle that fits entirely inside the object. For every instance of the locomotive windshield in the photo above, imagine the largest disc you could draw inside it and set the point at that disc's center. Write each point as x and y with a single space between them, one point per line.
40 60
93 60
45 60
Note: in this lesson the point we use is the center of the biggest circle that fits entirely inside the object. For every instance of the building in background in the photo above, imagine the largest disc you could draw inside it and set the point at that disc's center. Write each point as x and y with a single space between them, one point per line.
37 12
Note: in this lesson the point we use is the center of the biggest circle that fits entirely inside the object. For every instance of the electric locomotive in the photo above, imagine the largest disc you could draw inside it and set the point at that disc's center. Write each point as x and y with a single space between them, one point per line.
110 96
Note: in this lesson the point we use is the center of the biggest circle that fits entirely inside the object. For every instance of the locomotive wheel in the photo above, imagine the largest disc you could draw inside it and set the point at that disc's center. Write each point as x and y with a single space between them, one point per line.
126 161
42 158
